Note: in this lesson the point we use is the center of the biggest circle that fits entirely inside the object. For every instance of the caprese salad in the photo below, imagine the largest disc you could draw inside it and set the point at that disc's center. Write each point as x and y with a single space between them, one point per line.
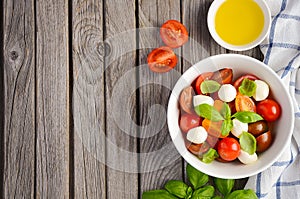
227 120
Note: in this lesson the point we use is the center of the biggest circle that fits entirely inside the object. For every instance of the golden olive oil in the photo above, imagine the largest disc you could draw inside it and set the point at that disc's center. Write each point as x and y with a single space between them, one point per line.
239 22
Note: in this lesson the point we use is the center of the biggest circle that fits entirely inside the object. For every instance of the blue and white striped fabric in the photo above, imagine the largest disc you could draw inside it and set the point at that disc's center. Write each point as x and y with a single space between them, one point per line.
282 53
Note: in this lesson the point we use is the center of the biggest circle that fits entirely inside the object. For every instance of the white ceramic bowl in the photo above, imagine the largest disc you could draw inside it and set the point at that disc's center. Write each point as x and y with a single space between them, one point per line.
211 26
282 131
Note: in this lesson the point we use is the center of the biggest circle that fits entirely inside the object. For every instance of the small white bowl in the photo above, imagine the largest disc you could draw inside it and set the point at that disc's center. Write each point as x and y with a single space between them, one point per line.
211 26
282 130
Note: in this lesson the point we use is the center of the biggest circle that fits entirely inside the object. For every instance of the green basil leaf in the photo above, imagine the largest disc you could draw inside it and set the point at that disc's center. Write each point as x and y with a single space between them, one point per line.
226 127
247 87
226 111
196 178
224 185
177 188
247 116
205 192
216 197
248 142
209 156
155 194
189 193
209 112
242 194
209 86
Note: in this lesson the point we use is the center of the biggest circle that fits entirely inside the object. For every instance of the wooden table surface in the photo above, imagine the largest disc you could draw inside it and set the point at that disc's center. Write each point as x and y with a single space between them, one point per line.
82 116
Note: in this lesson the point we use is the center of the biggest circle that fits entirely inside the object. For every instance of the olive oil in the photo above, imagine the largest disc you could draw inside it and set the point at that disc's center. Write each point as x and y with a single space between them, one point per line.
239 22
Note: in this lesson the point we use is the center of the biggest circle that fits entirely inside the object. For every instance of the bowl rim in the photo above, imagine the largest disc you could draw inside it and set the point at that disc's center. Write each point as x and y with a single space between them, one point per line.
211 26
186 154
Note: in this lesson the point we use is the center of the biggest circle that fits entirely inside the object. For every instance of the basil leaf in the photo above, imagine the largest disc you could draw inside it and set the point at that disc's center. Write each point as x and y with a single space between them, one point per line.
209 112
247 87
248 142
242 194
209 86
189 193
205 192
209 156
226 111
247 116
226 127
224 185
177 188
216 197
154 194
196 178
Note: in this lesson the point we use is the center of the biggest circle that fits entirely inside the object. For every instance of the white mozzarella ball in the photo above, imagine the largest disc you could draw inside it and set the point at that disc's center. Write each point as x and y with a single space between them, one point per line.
262 90
197 135
246 158
238 127
202 99
227 93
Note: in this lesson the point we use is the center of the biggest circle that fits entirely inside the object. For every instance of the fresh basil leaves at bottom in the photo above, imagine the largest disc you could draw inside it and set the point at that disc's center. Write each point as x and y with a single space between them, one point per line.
204 192
242 194
177 188
196 178
224 185
158 194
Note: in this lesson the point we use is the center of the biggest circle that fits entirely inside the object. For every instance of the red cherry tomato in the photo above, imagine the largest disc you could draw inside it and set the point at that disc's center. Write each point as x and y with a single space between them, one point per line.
223 76
238 82
162 59
189 121
229 148
200 79
173 33
269 109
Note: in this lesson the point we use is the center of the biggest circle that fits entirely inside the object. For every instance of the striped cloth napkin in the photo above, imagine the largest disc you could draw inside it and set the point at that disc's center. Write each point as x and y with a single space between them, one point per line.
282 53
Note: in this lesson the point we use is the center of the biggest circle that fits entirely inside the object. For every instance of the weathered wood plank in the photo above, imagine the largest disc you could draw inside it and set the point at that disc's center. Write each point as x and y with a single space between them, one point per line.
19 111
88 99
52 95
159 160
120 82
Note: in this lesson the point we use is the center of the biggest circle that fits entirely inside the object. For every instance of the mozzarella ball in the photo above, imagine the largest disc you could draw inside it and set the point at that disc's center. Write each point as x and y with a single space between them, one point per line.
238 127
262 90
202 99
227 93
197 135
246 158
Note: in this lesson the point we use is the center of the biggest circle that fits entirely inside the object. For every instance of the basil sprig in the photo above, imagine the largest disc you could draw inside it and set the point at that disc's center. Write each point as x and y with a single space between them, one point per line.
248 142
209 112
209 86
200 188
247 87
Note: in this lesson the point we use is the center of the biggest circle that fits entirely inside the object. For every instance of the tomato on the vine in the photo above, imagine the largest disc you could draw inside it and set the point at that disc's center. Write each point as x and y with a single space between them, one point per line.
189 121
173 33
228 148
162 59
269 109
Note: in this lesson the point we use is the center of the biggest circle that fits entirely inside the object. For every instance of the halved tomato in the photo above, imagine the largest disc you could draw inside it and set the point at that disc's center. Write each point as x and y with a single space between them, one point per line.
244 103
162 59
197 149
223 76
238 82
213 128
173 33
200 79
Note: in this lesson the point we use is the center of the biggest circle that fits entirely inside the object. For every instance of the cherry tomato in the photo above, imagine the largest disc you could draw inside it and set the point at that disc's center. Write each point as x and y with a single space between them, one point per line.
189 121
173 33
244 103
223 76
258 128
200 79
186 99
269 109
264 141
229 149
238 82
197 149
213 128
162 59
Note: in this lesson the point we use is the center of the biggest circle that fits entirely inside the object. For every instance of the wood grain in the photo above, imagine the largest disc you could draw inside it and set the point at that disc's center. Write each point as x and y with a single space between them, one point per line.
19 110
52 95
88 99
120 84
159 160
